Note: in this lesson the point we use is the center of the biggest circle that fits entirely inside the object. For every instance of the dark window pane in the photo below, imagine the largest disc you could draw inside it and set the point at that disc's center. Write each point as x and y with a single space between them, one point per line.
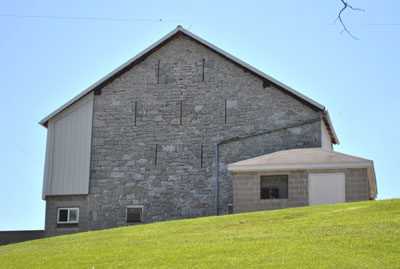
264 193
274 187
134 215
274 193
230 209
63 215
73 215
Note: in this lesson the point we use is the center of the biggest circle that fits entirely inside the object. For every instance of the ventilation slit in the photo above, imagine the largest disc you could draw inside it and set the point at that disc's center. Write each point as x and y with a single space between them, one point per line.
155 159
225 109
180 114
135 112
204 60
158 72
201 156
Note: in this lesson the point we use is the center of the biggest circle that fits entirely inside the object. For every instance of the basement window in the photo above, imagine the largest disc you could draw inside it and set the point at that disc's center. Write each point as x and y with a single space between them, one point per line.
134 214
230 208
68 215
274 187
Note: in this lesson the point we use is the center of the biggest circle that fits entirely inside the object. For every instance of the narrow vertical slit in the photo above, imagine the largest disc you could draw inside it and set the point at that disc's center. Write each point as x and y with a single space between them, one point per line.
201 156
158 72
225 109
135 112
155 159
204 60
180 114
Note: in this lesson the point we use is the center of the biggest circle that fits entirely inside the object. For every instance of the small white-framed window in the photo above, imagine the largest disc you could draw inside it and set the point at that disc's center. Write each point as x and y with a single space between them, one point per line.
68 215
134 214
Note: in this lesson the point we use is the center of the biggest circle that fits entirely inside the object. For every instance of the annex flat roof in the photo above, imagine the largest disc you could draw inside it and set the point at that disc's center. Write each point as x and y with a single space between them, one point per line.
179 29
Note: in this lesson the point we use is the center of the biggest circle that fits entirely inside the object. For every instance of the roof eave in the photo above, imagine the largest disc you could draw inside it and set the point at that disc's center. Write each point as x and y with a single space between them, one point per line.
276 167
335 139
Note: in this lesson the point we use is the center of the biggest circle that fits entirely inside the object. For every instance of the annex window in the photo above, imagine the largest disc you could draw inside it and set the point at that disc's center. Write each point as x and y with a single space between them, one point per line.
68 215
274 187
134 214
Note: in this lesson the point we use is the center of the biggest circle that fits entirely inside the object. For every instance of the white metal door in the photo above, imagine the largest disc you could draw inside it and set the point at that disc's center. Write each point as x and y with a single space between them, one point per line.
326 188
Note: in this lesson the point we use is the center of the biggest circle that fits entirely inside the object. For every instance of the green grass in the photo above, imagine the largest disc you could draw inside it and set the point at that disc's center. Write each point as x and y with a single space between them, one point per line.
363 234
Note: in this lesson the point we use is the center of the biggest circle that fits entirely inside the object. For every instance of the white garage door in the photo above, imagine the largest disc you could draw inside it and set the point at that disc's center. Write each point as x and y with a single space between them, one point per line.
326 188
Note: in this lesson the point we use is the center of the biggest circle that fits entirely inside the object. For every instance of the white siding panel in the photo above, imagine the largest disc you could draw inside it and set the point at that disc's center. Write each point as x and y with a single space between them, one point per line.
326 142
326 188
67 165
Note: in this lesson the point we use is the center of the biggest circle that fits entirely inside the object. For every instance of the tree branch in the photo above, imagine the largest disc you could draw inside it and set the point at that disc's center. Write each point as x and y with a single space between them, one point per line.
339 17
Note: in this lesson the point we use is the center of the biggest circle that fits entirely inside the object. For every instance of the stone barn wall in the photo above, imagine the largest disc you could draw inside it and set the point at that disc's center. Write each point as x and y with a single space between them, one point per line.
155 128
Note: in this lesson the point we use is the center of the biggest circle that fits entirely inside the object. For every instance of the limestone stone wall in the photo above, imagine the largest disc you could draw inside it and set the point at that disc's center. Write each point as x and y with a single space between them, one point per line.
155 129
55 202
246 189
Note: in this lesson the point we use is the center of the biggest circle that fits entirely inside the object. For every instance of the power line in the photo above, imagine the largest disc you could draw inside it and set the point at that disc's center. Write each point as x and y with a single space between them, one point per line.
191 21
26 153
83 18
19 147
19 177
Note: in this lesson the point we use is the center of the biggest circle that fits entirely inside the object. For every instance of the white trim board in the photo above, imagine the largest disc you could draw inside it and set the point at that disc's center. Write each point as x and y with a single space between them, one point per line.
298 166
68 215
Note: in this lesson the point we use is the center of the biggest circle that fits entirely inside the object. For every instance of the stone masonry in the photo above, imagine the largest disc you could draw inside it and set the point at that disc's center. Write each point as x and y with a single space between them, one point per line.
246 189
155 128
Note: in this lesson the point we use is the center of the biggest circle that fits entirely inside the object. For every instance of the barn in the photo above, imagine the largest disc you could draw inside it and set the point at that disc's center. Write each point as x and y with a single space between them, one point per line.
152 141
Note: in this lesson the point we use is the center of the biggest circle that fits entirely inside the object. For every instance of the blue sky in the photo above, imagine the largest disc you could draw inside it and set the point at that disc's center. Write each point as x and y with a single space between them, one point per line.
47 61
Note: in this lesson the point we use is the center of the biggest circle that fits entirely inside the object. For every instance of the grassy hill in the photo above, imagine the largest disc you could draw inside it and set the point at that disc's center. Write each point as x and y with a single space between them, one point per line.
363 234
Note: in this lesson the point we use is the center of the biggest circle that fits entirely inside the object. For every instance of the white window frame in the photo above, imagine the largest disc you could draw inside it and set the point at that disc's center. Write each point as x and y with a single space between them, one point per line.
69 210
133 206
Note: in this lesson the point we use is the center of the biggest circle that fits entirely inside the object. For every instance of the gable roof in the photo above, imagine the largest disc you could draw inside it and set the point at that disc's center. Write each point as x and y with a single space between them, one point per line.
180 30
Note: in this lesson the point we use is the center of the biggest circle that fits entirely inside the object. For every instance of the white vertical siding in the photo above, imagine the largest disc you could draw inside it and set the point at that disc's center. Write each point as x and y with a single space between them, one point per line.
326 142
326 188
67 164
